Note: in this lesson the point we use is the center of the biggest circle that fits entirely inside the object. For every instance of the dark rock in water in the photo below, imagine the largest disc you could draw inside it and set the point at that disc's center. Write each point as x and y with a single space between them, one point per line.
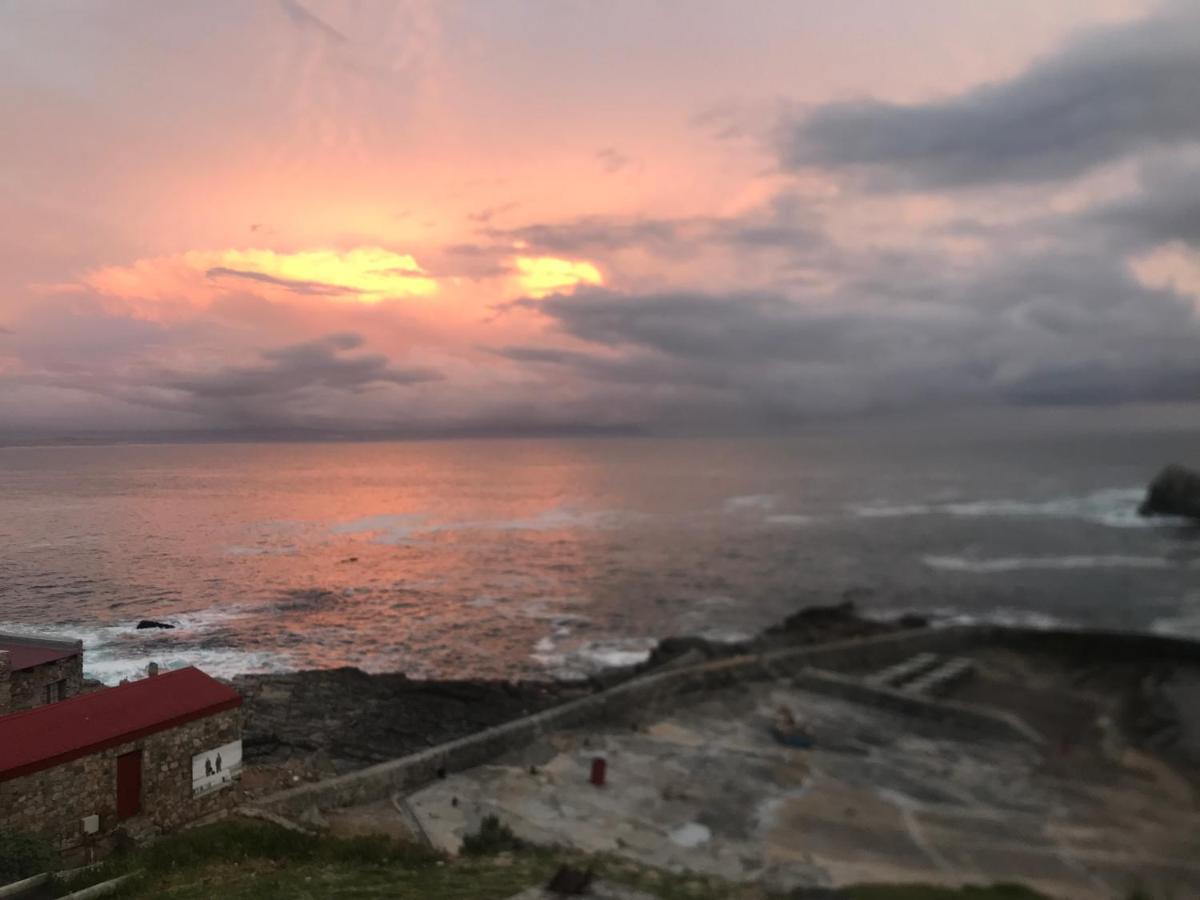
815 624
1175 491
913 620
150 623
671 649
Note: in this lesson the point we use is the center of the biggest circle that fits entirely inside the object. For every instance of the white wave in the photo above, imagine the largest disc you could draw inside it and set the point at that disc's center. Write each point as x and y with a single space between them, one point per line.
1018 563
751 503
1114 508
880 511
284 550
117 650
608 654
724 635
1005 616
110 666
387 528
567 661
1186 624
789 519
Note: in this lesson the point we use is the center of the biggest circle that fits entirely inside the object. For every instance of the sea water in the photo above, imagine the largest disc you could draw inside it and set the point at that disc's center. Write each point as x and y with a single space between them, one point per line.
529 558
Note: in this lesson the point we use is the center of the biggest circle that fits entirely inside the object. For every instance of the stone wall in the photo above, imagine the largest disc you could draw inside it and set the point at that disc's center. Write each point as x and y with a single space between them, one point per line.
29 685
5 683
53 802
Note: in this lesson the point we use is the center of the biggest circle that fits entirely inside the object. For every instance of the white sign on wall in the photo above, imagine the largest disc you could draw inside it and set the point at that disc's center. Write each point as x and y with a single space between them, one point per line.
216 768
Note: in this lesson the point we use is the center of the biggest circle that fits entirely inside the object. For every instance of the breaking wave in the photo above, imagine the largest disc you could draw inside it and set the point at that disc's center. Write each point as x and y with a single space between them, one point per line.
118 650
1114 508
1019 563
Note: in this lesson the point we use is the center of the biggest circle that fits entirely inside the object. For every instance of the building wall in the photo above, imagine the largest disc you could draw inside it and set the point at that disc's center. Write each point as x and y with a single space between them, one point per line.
29 685
53 802
5 683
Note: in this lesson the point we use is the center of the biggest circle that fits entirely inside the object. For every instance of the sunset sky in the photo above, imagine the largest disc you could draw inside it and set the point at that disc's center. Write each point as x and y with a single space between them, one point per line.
492 215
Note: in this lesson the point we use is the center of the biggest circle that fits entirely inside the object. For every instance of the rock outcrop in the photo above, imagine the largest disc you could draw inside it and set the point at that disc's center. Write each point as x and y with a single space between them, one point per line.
1175 491
355 719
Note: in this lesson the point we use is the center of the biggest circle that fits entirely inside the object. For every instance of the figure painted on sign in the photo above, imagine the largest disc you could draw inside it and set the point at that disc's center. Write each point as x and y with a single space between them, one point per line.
208 769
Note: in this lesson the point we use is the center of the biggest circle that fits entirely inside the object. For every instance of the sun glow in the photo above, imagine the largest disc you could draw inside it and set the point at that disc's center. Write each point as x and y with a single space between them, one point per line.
362 275
540 276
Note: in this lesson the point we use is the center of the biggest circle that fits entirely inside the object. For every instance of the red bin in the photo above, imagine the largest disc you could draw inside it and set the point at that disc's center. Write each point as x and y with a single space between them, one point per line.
599 771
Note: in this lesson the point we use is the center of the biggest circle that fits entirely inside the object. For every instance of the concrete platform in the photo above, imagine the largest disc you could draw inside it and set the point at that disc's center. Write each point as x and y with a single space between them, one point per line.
706 788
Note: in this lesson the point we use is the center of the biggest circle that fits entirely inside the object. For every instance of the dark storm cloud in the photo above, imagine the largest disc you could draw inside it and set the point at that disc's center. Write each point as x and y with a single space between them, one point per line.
1113 92
315 288
296 368
784 222
1166 207
1059 328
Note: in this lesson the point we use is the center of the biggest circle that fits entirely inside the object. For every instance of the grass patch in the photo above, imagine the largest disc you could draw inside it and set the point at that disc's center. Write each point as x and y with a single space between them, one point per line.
933 892
23 855
492 837
249 860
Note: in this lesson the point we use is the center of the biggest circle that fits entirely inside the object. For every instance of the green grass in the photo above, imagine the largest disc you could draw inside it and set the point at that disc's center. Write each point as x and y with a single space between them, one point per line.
22 855
250 860
932 892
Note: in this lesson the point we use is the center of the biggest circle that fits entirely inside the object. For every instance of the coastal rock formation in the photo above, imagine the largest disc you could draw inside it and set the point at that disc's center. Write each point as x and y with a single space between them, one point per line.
353 719
349 719
150 623
1175 491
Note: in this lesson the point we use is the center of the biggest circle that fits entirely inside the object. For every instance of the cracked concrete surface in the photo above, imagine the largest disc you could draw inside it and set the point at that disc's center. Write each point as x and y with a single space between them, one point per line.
704 787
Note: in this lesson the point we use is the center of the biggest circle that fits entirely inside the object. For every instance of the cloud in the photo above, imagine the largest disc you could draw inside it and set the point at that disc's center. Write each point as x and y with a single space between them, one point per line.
302 17
1047 328
786 220
612 160
296 287
1164 208
307 384
368 274
543 275
296 368
1106 95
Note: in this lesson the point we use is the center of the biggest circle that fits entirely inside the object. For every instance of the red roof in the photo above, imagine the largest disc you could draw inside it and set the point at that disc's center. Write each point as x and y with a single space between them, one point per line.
50 735
26 656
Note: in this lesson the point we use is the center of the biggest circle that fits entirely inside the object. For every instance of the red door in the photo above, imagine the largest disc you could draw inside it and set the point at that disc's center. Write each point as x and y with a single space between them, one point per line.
129 784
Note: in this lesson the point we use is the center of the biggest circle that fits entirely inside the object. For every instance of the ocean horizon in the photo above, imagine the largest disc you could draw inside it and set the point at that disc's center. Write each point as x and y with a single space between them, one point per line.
524 558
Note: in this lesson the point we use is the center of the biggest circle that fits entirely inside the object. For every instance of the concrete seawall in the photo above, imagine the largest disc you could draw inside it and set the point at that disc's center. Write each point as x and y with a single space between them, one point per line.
646 692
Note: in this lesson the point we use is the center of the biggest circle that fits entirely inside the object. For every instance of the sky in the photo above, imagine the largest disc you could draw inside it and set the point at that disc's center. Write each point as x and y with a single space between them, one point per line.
478 216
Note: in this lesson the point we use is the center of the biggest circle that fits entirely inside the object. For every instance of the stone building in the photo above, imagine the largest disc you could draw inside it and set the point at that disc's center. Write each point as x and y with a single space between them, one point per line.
36 671
144 757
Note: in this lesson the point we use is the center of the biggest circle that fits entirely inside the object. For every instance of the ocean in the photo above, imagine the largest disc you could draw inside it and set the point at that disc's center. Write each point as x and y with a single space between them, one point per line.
555 557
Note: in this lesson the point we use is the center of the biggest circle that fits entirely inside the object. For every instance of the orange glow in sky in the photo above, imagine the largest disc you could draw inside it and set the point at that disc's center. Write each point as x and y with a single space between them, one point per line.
541 276
363 275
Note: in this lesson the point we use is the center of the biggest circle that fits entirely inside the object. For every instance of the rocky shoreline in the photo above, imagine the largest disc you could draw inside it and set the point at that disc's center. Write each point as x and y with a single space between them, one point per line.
327 721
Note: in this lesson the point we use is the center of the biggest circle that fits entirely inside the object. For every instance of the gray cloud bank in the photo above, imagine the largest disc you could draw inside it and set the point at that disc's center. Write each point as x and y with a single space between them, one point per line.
1115 91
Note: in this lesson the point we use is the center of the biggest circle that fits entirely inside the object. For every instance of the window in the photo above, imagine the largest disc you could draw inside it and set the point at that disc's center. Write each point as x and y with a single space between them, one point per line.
56 690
